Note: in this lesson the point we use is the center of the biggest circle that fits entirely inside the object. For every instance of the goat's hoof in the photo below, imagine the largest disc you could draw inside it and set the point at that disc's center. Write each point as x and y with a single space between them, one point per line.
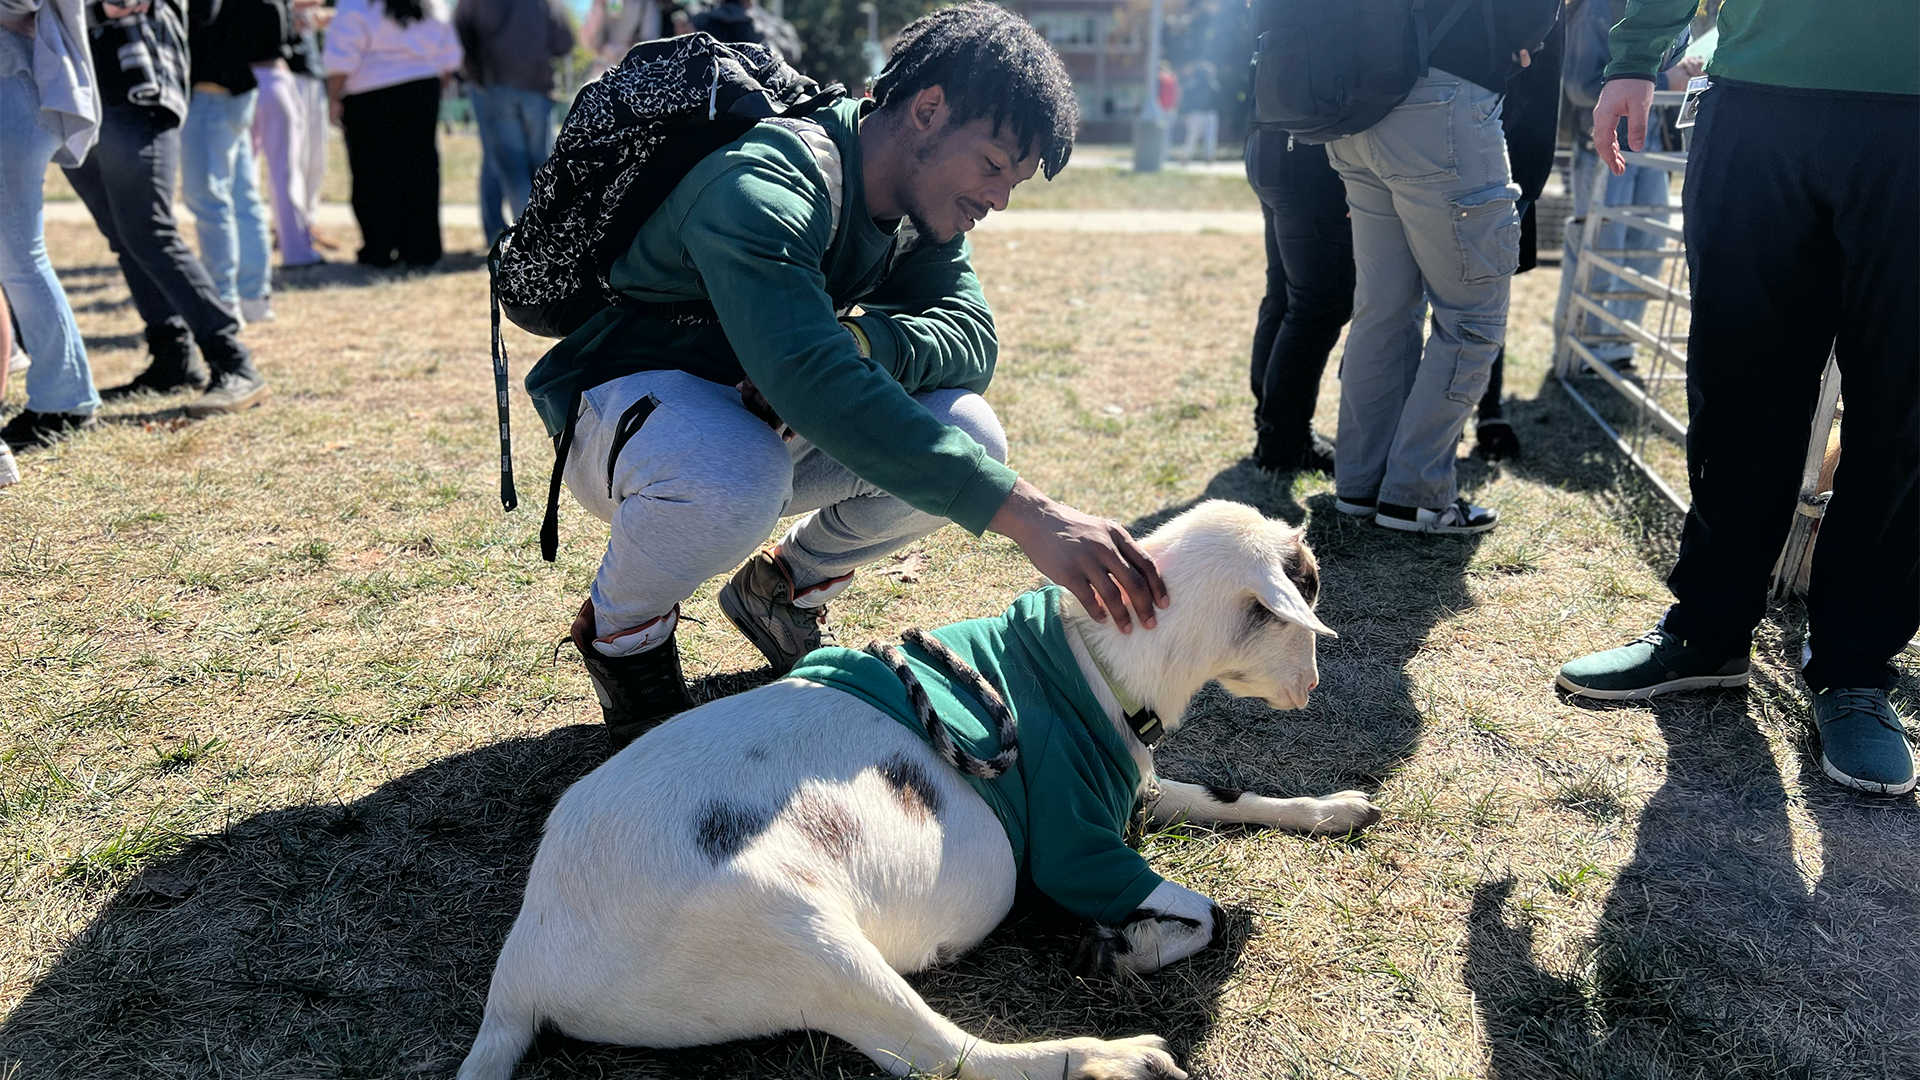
1099 952
1345 812
1143 1057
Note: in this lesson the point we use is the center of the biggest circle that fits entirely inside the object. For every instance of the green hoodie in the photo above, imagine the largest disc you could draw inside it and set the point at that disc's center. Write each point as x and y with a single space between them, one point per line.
1067 802
1857 46
751 229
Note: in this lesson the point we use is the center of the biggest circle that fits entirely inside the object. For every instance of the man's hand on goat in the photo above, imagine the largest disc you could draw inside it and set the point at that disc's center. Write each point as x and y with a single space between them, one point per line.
756 403
1094 559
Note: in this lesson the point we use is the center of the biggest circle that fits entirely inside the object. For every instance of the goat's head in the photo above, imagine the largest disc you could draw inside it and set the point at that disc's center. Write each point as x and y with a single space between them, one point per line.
1243 590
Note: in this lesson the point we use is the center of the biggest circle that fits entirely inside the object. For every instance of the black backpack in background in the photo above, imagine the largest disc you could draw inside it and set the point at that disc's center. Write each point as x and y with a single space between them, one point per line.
1326 69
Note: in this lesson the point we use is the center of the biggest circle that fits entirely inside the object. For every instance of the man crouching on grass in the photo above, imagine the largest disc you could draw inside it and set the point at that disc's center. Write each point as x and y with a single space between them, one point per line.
694 437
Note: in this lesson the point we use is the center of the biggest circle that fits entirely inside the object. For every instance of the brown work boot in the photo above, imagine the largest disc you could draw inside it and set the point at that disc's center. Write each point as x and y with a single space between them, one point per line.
759 601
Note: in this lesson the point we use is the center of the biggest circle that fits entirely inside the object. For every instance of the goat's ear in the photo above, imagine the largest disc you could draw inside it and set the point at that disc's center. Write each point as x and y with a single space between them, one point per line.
1278 594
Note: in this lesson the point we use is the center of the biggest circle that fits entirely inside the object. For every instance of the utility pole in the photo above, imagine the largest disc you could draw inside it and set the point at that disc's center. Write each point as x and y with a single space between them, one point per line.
876 58
1150 131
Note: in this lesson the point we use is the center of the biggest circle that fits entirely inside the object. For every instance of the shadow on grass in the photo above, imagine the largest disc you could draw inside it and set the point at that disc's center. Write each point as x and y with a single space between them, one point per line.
1383 592
1721 950
349 274
358 940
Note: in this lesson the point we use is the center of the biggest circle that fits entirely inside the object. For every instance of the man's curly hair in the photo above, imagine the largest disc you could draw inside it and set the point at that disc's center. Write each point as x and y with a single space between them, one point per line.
990 64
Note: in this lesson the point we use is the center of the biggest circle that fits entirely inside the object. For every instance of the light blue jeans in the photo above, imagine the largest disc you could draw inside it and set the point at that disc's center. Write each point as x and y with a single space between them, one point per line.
59 380
1431 199
221 184
516 136
1638 186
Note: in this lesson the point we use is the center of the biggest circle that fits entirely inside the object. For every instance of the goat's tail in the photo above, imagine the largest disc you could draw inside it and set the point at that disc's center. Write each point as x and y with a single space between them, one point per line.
505 1033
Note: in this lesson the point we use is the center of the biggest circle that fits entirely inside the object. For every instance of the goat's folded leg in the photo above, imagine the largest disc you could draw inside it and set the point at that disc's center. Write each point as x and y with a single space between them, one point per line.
868 1004
1336 814
1172 923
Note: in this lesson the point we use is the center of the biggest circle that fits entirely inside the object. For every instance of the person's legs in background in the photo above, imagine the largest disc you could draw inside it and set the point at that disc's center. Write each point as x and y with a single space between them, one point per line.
280 134
127 184
518 138
60 383
215 150
1310 277
371 160
254 279
1430 185
414 111
493 218
310 153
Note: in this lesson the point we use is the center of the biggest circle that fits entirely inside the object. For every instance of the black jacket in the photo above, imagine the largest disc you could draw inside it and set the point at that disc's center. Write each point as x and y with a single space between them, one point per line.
1484 55
142 59
240 33
511 42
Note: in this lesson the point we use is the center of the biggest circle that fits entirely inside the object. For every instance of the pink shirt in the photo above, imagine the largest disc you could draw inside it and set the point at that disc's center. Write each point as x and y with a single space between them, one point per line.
374 52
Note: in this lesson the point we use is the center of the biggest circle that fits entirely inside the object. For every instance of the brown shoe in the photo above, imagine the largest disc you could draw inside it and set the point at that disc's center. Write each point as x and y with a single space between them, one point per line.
759 603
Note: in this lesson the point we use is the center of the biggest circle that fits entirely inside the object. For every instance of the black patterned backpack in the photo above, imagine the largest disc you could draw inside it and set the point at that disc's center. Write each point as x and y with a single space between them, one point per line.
628 140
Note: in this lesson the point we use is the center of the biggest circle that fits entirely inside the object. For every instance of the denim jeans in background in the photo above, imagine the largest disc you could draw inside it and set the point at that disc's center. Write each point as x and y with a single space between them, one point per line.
1432 200
516 135
1309 285
493 208
1638 186
59 380
127 184
220 181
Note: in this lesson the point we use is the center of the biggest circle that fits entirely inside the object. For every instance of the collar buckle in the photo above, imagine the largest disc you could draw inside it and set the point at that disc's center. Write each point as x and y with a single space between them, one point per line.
1146 724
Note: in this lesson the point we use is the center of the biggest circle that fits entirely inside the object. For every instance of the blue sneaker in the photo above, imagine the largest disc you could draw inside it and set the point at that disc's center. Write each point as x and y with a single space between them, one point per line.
1655 663
1862 743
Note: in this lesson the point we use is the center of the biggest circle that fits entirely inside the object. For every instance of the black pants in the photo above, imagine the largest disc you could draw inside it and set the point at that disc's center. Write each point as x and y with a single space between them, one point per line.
127 184
396 171
1803 235
1310 278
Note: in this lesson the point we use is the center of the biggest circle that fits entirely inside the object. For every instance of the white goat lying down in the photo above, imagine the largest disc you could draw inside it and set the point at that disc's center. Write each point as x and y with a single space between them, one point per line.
775 860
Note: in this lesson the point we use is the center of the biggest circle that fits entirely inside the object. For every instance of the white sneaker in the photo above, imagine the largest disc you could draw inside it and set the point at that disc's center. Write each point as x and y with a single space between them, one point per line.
256 309
9 469
1460 518
19 363
1355 505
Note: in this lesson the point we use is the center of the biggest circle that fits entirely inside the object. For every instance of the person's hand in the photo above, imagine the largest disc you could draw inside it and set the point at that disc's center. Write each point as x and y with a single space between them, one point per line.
336 109
584 629
1524 58
756 403
1683 72
1090 557
1631 98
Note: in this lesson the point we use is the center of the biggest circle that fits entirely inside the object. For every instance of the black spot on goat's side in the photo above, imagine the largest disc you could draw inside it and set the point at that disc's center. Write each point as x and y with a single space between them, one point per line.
912 787
756 753
723 828
1224 794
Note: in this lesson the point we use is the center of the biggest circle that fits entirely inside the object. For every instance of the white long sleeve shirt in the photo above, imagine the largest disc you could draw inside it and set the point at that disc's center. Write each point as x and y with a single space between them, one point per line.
375 52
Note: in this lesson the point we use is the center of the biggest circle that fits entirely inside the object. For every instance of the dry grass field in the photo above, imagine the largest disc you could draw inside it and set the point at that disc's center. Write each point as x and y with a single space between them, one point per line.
283 710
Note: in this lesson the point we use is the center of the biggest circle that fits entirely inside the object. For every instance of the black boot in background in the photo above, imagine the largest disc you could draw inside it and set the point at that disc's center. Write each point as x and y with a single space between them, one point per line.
636 692
172 365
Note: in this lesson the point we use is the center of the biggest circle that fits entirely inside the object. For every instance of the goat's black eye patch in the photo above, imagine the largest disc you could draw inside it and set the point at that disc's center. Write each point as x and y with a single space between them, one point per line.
723 828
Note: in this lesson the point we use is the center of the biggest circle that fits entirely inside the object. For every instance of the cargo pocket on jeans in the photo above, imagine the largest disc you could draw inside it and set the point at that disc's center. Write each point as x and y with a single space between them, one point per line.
1486 229
1479 344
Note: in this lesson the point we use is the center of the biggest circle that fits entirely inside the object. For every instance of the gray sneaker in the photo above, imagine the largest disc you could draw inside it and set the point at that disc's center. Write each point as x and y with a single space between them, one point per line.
230 391
759 602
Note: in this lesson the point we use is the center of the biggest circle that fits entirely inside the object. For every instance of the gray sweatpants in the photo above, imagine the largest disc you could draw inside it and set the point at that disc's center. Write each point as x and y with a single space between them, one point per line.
699 485
1432 204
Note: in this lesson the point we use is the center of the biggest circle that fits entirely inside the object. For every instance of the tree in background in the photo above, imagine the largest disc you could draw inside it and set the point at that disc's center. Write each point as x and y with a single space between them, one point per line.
833 32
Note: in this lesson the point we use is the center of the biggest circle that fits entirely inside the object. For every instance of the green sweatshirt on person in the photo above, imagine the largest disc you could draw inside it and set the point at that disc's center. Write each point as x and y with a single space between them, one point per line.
1855 46
1067 801
751 229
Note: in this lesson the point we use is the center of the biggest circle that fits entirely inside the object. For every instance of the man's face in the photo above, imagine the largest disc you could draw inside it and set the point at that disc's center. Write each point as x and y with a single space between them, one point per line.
958 174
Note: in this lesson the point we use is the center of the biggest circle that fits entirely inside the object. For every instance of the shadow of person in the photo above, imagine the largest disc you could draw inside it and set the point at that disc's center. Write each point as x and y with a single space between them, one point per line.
358 940
1383 592
1714 955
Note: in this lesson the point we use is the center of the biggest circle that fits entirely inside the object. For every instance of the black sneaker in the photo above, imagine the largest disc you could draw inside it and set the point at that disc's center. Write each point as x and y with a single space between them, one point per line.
1459 519
31 429
174 366
1315 456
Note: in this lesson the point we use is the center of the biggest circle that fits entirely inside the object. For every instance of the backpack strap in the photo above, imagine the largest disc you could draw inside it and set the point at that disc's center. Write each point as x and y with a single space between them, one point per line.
826 155
1427 41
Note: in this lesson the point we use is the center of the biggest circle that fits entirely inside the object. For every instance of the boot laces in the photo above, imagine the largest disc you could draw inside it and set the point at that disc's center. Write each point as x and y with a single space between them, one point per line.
1869 701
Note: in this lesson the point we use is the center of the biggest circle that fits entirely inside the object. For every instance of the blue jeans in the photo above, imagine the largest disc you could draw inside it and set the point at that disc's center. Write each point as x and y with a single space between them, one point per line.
516 135
1431 199
221 186
59 380
1638 186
